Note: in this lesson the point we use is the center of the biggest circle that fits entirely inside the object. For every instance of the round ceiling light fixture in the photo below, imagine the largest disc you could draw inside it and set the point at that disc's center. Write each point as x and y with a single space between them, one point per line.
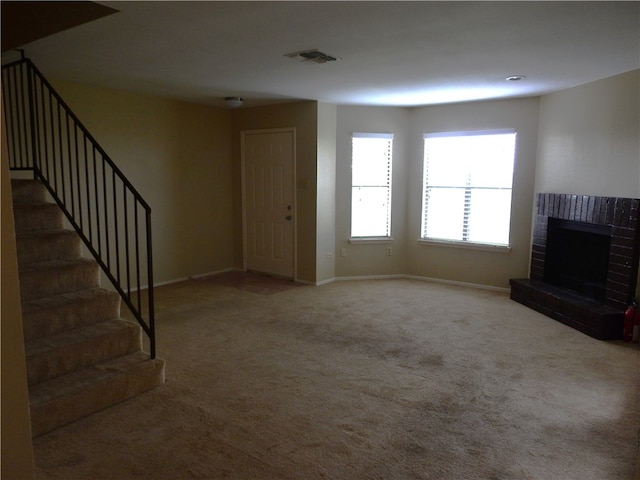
515 78
233 102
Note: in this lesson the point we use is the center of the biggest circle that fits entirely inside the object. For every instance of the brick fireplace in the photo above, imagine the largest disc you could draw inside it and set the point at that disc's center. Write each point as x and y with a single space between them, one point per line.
584 261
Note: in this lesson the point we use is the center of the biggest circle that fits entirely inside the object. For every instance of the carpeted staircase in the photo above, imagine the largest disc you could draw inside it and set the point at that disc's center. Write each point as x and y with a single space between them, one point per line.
81 356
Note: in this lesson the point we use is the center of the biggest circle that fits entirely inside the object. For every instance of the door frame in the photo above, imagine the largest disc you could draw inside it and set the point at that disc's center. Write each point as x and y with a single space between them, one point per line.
243 135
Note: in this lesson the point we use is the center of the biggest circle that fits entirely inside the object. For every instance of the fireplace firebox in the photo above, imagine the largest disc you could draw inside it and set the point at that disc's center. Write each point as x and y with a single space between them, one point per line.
577 257
584 261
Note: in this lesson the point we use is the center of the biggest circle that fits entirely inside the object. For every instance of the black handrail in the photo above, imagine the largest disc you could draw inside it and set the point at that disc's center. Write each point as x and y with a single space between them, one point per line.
111 217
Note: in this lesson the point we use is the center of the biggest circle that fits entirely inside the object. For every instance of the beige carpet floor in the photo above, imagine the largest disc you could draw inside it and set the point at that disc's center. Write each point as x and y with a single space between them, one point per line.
378 379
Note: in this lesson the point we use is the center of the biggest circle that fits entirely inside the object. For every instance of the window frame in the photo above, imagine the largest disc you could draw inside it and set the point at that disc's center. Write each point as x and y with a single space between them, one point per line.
466 243
373 238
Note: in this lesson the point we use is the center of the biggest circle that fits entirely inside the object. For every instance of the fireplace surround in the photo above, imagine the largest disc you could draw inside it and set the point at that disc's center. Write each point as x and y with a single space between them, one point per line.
584 261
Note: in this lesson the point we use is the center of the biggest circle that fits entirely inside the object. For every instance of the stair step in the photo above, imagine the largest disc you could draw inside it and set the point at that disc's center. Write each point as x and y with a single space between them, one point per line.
27 191
56 355
42 246
45 279
51 315
73 396
81 356
31 217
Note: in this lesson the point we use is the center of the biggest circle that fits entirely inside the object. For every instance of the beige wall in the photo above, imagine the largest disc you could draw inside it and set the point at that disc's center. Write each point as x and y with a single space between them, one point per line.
371 259
303 117
588 143
408 256
178 155
492 268
326 201
183 155
17 452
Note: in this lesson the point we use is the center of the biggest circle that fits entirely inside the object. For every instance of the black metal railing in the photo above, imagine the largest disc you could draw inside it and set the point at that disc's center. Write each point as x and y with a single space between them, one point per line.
111 217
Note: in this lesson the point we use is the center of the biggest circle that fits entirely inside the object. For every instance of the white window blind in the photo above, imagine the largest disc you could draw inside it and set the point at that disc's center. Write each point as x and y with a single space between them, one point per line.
468 178
371 184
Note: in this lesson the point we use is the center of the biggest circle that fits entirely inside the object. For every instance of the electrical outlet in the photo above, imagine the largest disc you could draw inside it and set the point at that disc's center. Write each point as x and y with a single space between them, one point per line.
343 252
388 251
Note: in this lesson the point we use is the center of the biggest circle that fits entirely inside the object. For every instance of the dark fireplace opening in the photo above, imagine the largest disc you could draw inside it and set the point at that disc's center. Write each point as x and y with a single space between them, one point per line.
577 257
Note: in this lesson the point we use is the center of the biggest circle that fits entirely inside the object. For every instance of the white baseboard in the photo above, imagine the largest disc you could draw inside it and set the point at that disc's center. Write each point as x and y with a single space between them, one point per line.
460 284
190 277
345 279
371 277
417 277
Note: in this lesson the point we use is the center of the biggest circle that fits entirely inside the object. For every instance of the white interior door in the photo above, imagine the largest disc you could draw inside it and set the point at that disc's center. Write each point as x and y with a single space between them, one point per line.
268 166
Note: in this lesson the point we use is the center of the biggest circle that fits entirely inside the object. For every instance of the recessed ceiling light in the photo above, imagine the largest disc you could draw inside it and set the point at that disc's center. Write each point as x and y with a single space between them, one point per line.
233 102
515 78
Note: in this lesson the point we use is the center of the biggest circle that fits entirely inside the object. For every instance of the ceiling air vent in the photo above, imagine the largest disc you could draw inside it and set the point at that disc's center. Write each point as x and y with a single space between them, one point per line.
312 56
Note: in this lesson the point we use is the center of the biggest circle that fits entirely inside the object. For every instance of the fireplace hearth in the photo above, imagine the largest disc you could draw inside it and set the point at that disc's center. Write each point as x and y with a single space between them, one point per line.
584 262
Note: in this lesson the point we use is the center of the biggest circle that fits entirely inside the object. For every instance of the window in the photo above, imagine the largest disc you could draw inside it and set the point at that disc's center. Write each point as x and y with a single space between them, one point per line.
467 186
371 184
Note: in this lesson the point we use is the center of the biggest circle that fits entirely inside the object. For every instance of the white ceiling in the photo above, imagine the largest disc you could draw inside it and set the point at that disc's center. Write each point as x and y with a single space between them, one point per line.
390 52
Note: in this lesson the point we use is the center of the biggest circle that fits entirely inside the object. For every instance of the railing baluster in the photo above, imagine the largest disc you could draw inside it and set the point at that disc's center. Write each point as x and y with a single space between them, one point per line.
150 313
46 130
5 103
8 102
87 189
34 157
16 119
105 213
38 129
11 111
21 125
53 142
15 124
19 112
44 136
72 200
5 82
78 188
25 120
97 201
137 245
115 223
63 186
126 240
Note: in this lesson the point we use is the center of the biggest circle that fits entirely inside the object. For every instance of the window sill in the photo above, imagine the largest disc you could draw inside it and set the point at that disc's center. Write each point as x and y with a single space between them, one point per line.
370 240
487 247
